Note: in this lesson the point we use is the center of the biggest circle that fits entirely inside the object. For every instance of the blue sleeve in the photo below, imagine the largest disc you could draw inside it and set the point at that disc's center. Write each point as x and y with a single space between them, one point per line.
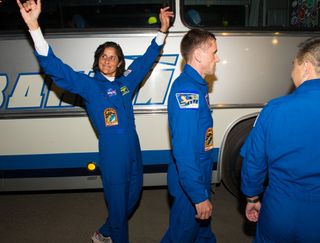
184 129
63 75
141 66
255 159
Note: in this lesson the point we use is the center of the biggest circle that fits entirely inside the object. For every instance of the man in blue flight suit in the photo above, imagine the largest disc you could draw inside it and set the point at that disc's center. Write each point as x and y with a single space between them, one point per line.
108 99
191 129
284 144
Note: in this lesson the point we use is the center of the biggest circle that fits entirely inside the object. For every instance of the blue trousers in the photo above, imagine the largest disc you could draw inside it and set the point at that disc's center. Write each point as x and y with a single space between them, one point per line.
289 217
183 226
122 177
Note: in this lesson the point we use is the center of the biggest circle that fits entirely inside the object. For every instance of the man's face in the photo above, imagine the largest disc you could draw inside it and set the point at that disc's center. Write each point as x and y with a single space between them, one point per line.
209 57
108 62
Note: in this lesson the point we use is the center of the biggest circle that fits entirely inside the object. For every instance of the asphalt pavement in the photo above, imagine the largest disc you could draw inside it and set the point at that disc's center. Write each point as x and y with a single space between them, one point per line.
72 216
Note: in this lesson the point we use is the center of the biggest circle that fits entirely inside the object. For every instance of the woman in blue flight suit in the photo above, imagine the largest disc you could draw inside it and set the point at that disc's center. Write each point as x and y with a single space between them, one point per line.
108 99
284 144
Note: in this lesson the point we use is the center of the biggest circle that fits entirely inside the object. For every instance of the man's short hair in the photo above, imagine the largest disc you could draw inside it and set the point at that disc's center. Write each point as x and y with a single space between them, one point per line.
310 50
193 39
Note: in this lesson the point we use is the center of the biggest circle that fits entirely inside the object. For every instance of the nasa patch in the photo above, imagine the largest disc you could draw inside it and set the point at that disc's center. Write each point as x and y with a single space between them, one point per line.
111 92
188 100
110 117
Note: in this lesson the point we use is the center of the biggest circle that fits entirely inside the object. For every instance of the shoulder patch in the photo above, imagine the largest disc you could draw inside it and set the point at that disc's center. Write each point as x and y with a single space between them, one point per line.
188 100
127 72
124 90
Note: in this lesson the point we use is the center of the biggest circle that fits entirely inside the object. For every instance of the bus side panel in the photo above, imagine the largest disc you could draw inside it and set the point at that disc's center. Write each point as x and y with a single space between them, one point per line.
40 142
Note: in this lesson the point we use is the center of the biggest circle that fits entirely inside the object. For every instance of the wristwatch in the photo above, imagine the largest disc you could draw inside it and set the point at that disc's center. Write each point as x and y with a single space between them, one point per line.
249 200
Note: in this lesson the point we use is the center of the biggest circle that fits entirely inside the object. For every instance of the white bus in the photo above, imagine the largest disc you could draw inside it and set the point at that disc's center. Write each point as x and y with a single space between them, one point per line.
46 139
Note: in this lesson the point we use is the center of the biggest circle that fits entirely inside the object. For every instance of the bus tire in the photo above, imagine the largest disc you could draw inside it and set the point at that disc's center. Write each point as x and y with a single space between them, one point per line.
231 159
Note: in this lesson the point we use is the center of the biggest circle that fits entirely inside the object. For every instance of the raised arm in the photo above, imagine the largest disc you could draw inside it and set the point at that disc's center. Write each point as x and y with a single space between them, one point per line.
143 64
164 17
30 11
63 75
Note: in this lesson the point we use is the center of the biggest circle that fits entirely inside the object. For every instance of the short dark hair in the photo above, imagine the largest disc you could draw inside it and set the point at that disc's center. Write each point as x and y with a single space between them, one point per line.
193 39
99 52
310 50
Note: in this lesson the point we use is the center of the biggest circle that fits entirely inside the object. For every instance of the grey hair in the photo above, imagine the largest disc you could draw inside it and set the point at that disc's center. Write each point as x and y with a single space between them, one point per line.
310 50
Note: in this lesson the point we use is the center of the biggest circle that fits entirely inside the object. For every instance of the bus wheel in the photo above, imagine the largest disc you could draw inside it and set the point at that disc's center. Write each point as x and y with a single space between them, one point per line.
231 159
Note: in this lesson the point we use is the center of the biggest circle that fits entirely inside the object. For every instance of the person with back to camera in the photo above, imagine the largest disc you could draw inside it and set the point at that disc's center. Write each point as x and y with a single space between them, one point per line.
284 145
108 100
191 130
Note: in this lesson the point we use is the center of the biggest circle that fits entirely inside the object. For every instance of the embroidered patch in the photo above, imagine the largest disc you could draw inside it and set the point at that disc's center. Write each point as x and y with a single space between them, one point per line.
188 100
110 117
127 72
124 90
208 142
111 92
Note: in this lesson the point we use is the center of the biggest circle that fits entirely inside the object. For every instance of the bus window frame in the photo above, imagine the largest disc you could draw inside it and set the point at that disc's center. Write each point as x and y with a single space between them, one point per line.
61 26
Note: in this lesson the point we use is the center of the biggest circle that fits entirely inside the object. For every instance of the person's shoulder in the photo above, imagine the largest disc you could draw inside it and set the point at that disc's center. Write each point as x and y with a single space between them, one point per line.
97 77
184 93
183 89
181 84
278 105
279 101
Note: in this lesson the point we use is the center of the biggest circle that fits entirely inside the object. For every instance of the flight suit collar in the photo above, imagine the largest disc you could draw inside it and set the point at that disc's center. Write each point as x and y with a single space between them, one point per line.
100 77
195 76
110 89
309 85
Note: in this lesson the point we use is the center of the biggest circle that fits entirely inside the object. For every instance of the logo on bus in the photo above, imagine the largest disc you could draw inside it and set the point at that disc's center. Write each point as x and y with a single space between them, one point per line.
35 91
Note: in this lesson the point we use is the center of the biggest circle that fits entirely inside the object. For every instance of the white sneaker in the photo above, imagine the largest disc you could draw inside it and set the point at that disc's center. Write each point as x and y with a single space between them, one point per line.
99 238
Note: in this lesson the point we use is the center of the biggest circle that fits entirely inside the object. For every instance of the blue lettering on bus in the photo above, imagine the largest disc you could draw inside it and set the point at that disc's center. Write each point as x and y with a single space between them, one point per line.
3 87
37 92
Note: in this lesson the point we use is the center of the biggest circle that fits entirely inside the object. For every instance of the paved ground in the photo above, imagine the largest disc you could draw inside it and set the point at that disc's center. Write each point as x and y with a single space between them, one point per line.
73 216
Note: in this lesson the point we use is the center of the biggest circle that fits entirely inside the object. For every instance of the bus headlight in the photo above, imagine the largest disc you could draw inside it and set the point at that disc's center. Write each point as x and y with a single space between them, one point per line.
91 166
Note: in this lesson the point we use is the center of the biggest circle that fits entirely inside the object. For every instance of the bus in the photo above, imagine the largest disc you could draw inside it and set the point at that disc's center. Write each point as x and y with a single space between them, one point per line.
47 141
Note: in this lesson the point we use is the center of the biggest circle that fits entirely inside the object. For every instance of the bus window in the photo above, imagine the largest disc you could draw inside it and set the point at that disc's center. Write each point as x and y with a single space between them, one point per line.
90 14
202 13
261 14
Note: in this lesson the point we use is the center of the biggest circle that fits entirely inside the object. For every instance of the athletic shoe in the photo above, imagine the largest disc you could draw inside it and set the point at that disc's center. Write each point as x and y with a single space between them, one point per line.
99 238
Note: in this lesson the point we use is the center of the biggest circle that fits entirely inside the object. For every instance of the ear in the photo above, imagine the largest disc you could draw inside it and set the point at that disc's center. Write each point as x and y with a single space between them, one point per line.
308 66
309 70
197 55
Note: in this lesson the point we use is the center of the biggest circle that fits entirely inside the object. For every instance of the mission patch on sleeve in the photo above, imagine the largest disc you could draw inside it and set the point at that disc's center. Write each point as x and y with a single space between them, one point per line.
188 100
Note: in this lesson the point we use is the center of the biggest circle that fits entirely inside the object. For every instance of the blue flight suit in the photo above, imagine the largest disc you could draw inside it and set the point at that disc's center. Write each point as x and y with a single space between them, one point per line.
189 176
109 107
284 144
